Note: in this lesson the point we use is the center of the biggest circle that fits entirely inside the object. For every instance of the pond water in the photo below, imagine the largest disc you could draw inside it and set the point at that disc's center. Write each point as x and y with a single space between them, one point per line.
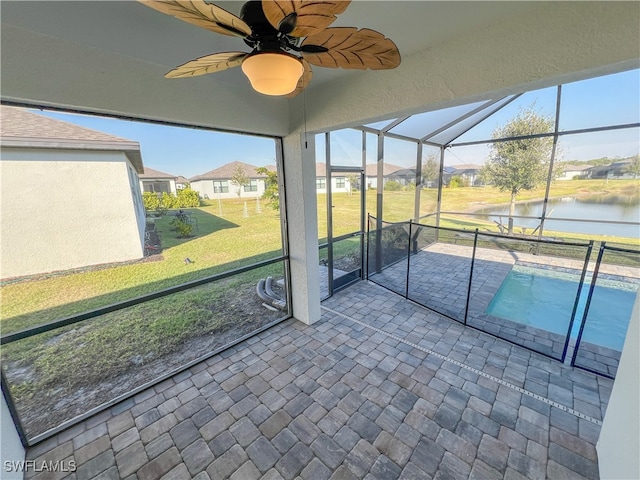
610 209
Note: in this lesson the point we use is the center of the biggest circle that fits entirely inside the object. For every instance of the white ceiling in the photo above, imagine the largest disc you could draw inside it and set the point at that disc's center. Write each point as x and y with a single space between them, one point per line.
111 57
133 30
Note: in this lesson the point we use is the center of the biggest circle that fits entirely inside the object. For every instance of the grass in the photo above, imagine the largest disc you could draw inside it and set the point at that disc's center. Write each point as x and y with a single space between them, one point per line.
145 330
221 244
231 240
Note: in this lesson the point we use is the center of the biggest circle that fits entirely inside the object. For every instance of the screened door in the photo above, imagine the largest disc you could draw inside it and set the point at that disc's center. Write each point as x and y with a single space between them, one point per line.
345 222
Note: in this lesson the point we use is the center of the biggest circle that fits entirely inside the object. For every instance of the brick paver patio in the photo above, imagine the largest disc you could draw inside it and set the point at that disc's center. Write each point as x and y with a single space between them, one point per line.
378 389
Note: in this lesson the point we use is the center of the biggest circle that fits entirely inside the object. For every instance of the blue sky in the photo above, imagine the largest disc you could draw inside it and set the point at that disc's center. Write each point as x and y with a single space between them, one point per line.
609 100
181 151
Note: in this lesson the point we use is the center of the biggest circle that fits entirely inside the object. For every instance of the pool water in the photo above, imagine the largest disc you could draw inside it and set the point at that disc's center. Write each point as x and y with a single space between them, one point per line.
544 299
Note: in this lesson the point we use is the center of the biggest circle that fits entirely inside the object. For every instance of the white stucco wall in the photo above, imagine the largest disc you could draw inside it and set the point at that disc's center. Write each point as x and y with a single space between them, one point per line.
11 449
334 186
619 443
138 205
571 174
65 209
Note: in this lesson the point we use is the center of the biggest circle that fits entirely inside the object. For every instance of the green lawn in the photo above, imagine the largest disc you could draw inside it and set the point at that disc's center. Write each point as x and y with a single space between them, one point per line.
231 240
221 244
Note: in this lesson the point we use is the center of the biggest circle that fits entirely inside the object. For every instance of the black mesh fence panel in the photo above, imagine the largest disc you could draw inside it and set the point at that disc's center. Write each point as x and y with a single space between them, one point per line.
532 292
387 249
610 305
525 290
439 269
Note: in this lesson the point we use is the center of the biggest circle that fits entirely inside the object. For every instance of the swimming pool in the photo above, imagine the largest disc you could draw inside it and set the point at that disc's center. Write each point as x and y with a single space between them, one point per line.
544 299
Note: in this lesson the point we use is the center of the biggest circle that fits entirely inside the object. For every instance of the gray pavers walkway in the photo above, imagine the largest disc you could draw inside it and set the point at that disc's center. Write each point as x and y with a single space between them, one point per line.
378 389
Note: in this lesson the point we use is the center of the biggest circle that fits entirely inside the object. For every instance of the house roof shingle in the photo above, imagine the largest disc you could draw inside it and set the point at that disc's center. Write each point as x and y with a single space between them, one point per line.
226 172
467 167
388 169
568 167
151 173
22 128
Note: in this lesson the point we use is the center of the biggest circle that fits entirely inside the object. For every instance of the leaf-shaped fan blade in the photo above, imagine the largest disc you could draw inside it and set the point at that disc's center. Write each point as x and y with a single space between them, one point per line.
304 79
204 15
348 47
311 16
208 64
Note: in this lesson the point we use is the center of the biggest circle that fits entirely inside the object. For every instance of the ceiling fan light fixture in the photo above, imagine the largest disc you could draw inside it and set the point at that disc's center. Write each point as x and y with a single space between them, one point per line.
273 73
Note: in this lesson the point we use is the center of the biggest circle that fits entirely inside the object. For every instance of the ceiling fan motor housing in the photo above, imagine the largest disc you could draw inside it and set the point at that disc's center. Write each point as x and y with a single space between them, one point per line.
264 37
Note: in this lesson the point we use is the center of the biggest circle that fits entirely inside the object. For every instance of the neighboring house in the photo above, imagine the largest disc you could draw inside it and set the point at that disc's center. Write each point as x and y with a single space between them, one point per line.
470 172
617 170
181 183
157 182
218 182
569 171
404 176
620 170
339 180
371 174
70 196
447 174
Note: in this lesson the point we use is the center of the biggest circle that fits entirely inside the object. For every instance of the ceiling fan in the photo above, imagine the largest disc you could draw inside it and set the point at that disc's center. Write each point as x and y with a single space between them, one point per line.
286 37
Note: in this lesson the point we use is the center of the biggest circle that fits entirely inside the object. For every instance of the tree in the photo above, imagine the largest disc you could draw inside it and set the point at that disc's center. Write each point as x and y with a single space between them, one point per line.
519 164
271 192
354 182
430 170
239 178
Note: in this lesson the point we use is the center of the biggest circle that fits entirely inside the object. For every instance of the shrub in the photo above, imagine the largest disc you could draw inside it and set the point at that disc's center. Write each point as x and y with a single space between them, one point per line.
392 186
167 201
187 198
150 201
458 181
183 228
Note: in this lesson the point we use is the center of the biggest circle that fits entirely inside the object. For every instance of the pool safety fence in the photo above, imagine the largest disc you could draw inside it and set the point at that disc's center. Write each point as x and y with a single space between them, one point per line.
526 290
611 296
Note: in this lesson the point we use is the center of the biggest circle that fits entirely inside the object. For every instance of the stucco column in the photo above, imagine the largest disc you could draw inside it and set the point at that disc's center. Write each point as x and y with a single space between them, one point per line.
10 445
302 222
619 443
